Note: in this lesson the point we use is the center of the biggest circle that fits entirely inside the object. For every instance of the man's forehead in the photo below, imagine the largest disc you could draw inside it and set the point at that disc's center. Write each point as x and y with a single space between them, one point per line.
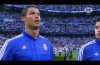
32 9
98 23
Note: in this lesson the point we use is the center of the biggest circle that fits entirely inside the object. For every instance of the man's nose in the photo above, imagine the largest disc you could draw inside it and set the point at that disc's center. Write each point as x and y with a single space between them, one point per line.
98 30
37 16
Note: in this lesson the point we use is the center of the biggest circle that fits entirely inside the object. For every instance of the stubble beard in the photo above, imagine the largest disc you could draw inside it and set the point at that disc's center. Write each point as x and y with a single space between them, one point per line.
34 27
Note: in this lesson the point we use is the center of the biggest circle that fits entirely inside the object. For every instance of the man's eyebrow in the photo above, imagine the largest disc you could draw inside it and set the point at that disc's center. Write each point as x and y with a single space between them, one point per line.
96 26
33 11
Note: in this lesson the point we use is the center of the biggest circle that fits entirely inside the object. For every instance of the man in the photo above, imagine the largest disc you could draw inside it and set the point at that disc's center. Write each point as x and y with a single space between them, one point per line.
91 50
70 53
28 46
65 52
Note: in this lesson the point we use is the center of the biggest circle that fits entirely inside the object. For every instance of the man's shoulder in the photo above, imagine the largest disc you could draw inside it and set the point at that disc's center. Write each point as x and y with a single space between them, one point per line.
42 37
89 44
11 42
14 38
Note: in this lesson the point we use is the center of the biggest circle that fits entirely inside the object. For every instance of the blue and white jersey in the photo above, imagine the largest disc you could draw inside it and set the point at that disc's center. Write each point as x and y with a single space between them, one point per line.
89 51
24 47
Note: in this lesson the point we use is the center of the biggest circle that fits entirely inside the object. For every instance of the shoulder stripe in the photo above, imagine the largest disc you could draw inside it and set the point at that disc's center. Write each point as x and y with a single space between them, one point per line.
2 50
42 36
80 55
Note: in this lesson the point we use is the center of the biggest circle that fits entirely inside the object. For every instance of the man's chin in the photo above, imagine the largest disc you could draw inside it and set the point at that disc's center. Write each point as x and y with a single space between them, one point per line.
35 28
98 38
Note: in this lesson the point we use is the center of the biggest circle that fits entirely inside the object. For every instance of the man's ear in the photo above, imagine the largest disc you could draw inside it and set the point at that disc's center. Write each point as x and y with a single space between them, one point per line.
23 18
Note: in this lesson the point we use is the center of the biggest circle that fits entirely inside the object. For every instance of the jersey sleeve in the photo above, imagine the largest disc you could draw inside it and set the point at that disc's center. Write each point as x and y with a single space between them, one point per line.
51 51
6 52
81 54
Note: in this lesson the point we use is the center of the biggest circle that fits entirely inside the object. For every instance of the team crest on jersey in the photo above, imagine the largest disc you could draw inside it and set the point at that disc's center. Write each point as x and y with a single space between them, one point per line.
45 47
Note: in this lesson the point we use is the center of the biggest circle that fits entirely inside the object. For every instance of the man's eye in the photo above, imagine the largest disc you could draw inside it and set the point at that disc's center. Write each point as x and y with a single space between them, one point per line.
32 13
96 27
39 14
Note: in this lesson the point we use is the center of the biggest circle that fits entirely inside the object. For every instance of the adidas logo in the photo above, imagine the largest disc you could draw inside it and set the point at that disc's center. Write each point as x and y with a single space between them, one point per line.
24 47
96 54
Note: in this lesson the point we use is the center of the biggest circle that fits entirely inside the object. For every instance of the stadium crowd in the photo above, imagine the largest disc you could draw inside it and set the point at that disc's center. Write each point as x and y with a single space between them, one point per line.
73 25
62 25
68 7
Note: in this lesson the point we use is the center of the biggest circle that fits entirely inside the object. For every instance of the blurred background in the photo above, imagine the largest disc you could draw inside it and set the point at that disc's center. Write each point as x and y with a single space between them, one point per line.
68 26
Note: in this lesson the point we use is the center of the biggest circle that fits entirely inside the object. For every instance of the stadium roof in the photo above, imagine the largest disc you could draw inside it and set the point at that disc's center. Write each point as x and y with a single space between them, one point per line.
15 5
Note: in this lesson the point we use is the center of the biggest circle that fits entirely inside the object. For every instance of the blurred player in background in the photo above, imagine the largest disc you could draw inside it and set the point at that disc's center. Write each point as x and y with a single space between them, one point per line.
91 50
29 45
70 53
65 54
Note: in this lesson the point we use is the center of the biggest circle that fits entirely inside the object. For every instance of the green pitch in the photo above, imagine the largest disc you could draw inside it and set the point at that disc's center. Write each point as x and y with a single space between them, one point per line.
60 58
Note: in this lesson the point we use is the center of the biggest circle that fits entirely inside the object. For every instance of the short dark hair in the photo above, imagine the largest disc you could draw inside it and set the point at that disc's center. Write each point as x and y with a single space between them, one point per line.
98 20
24 11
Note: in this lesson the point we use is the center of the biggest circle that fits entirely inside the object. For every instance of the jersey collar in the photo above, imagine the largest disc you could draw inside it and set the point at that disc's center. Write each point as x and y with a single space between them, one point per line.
29 36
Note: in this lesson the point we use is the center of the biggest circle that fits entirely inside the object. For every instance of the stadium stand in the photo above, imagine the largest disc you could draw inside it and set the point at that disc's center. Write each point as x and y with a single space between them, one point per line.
64 25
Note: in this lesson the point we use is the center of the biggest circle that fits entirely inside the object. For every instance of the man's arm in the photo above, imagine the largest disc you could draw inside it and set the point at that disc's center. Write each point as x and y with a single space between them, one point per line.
6 51
80 55
52 53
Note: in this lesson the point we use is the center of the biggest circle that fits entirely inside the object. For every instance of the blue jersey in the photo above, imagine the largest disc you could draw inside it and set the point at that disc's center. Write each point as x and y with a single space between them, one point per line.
25 47
89 51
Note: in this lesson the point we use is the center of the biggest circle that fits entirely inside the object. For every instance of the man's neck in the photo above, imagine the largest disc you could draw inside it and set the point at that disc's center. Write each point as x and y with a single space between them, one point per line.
33 33
99 39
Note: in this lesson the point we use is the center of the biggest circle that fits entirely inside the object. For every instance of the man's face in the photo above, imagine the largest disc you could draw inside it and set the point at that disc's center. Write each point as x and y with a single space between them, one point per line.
32 19
97 30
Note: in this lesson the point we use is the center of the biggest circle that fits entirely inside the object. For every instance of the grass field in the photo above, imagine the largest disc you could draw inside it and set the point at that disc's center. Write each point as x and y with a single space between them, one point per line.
61 58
